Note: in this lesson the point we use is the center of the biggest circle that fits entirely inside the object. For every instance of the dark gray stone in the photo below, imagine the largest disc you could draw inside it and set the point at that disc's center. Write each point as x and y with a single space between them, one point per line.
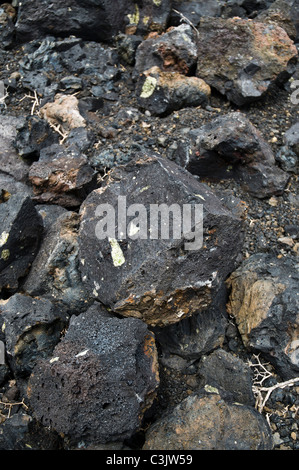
32 328
97 20
19 239
33 136
185 342
100 380
10 162
229 374
55 272
264 301
159 280
229 146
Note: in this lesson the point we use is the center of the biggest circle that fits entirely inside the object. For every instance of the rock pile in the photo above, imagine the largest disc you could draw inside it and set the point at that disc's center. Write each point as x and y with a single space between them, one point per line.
149 237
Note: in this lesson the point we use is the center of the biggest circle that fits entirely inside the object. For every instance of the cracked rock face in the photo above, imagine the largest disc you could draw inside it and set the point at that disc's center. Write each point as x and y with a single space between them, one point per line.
242 58
19 241
160 279
264 302
100 380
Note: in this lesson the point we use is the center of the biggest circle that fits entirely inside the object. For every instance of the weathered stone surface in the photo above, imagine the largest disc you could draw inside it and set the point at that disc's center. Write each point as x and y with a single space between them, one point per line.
19 240
288 153
195 10
243 58
230 146
20 432
64 112
7 27
185 342
32 328
149 15
281 13
163 92
102 377
55 272
207 422
32 136
92 20
264 302
229 374
173 51
159 279
61 176
10 162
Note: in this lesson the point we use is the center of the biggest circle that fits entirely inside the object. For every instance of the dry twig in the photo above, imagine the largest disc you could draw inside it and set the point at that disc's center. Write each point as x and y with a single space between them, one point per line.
260 392
10 405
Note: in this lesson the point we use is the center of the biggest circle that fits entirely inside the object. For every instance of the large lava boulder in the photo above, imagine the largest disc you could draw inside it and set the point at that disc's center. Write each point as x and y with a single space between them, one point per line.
160 269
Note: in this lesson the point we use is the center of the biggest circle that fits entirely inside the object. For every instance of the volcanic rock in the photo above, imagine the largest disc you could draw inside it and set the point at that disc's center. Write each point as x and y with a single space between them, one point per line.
243 58
148 15
97 20
229 374
32 328
132 270
19 240
100 380
183 343
61 176
32 136
163 92
10 162
264 302
173 51
205 421
55 272
230 146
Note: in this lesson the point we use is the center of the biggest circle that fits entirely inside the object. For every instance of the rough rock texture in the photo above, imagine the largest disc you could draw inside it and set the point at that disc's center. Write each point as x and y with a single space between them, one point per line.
281 13
207 422
229 374
32 328
288 154
264 301
32 136
19 241
243 58
55 272
64 112
173 51
230 146
183 343
61 176
91 20
163 92
100 380
161 279
7 27
10 162
17 434
148 15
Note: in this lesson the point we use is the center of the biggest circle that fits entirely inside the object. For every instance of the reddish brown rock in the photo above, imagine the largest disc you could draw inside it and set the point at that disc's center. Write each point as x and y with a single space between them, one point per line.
243 58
